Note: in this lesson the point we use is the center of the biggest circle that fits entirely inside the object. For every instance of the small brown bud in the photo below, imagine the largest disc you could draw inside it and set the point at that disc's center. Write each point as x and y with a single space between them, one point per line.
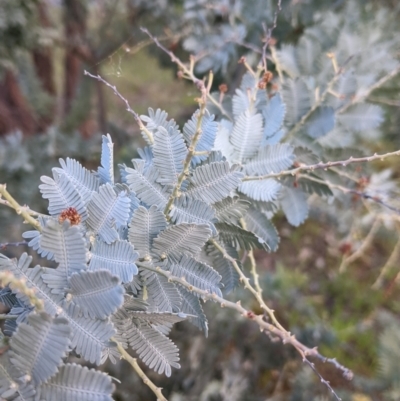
223 88
242 60
272 41
262 85
267 77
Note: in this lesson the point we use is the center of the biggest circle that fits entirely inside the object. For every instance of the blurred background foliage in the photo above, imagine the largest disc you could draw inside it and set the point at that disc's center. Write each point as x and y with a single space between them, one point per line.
334 281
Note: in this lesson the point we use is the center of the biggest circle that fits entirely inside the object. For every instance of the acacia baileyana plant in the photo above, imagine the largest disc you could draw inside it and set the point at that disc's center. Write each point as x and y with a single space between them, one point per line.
136 256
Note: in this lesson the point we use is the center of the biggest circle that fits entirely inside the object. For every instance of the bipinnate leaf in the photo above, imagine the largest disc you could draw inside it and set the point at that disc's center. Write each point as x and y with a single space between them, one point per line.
287 57
265 190
97 293
37 348
67 244
309 186
33 236
294 205
158 318
214 182
362 117
7 298
162 295
191 305
157 351
118 258
61 194
188 210
196 273
181 238
69 248
144 183
82 179
88 336
77 383
321 121
169 152
33 279
239 238
106 171
246 136
144 226
241 100
261 226
108 211
12 387
229 275
297 99
208 134
274 115
222 142
156 119
231 209
270 159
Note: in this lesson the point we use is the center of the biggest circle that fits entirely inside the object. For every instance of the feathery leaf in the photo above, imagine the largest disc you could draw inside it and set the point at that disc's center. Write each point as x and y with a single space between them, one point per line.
37 348
270 159
294 205
97 293
261 190
258 224
144 184
188 210
196 273
214 182
78 383
82 179
61 194
145 225
107 211
247 135
118 258
207 138
154 349
106 171
181 238
169 152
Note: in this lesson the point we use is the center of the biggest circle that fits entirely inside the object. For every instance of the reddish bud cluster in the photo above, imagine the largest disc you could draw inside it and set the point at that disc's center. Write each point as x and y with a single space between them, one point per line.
70 214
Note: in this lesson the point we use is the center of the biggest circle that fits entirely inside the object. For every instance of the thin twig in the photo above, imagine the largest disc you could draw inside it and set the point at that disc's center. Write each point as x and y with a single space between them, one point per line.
128 107
285 336
322 165
315 106
188 73
253 265
389 265
268 34
133 362
376 85
185 172
25 212
325 382
361 250
7 244
362 195
246 283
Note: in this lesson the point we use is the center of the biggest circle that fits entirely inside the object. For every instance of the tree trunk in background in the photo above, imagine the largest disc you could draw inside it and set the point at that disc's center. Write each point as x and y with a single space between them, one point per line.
75 31
15 112
43 62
